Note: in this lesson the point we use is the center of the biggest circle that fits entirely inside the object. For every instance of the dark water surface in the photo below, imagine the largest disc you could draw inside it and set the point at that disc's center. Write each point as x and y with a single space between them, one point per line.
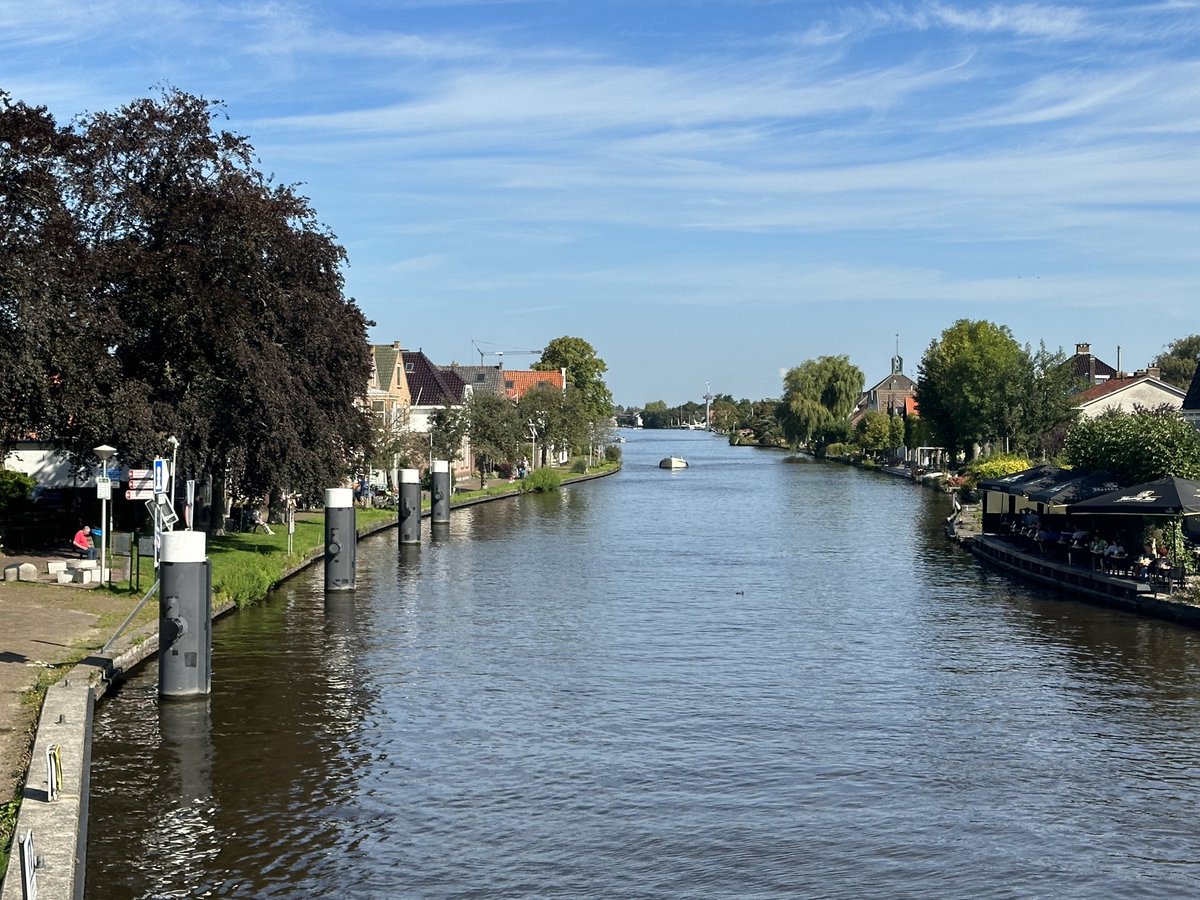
752 678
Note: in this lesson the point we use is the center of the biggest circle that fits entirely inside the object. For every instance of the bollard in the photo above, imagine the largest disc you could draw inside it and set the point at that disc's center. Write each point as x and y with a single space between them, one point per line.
410 506
340 539
440 509
184 616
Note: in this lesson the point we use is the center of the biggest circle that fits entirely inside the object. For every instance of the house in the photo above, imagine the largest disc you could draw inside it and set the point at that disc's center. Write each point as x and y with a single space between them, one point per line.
1089 369
891 395
482 379
1143 389
433 388
1191 403
388 396
518 383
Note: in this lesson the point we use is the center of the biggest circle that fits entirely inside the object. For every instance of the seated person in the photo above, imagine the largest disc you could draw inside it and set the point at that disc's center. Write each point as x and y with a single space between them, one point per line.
82 541
257 521
1114 555
1143 564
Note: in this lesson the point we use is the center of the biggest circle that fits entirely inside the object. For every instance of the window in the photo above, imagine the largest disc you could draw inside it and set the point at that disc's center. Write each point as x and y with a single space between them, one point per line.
508 385
479 377
408 367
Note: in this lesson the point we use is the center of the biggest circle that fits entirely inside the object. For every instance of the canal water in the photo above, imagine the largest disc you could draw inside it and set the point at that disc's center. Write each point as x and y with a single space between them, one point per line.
760 676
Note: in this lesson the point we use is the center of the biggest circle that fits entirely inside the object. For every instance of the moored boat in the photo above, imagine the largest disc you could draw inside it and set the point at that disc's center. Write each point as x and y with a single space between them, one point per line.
673 462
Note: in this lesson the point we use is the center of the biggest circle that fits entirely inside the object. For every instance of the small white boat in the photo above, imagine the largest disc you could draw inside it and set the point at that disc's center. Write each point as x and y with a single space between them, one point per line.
673 462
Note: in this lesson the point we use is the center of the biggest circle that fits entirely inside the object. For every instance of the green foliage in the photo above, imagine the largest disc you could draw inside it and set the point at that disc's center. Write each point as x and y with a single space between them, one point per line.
836 450
979 386
996 466
540 481
579 465
1177 362
1136 447
874 431
612 453
585 371
15 488
817 394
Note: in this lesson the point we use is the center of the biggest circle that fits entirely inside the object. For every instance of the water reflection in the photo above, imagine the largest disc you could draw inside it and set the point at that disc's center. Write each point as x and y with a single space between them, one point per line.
745 679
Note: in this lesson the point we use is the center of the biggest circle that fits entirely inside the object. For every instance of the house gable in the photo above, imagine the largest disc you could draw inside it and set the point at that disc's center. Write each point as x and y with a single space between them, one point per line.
1126 394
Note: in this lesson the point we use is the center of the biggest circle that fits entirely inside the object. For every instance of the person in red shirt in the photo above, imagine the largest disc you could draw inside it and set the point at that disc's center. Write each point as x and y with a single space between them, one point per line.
83 543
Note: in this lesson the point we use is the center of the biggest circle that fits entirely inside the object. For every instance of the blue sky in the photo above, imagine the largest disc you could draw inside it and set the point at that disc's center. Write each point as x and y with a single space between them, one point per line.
709 192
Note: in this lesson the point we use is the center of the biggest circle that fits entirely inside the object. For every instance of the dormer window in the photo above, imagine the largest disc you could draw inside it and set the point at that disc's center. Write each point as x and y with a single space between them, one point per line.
408 367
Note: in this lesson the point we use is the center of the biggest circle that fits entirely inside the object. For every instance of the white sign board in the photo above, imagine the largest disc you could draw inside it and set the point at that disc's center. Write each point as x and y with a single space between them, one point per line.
103 488
141 485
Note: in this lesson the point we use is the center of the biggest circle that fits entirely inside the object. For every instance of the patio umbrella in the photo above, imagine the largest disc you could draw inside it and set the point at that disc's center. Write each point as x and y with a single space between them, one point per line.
1014 483
1083 486
1170 496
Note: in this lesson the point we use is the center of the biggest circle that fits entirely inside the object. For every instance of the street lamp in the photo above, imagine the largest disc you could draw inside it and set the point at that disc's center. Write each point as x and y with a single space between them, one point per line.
104 489
533 445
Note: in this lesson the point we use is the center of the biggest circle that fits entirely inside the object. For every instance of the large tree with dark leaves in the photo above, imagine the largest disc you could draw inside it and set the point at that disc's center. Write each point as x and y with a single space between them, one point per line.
58 380
230 297
156 283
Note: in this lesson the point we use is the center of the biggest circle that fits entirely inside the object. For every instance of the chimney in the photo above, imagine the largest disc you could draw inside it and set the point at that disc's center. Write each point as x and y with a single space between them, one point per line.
1083 349
1153 371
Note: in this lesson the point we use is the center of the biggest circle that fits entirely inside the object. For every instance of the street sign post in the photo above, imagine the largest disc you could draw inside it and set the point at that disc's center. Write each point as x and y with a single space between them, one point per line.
141 485
162 475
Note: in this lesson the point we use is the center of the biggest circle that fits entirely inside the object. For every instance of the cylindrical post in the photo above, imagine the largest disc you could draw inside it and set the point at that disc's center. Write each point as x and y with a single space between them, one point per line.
410 506
440 507
184 616
340 539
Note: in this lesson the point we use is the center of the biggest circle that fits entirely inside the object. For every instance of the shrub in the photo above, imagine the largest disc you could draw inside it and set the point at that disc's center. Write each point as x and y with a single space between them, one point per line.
541 481
504 469
15 488
612 453
578 466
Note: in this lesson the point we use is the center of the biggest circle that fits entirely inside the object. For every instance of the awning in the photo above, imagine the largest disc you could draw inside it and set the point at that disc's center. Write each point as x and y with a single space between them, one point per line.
1170 496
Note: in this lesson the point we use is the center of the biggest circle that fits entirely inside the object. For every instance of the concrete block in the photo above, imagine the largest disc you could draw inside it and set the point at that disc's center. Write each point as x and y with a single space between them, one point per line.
11 573
83 576
54 566
64 577
27 572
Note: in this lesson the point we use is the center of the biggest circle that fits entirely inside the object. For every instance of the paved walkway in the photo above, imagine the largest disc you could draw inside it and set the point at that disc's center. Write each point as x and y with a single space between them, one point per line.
44 629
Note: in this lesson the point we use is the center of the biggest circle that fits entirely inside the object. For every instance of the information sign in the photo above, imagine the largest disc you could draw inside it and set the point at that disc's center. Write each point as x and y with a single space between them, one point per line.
161 475
103 488
141 485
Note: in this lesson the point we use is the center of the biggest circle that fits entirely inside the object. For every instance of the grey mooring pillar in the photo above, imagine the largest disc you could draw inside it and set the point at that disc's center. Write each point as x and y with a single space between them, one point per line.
440 508
184 616
340 539
410 506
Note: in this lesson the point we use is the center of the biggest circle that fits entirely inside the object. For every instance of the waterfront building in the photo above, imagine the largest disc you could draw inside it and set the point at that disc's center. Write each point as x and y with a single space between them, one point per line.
1143 389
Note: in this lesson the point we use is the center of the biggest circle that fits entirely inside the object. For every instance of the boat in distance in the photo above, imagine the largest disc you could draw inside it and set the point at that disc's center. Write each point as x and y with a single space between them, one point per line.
673 462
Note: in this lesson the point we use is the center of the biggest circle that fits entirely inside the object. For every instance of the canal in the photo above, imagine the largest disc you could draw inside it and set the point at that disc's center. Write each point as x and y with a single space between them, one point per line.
760 676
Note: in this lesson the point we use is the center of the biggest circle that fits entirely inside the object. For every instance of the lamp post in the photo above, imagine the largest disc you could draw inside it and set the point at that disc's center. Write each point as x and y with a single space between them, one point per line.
533 445
104 453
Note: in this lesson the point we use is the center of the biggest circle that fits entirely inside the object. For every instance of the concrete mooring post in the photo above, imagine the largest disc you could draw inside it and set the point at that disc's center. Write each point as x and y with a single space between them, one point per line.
341 539
184 616
440 508
410 506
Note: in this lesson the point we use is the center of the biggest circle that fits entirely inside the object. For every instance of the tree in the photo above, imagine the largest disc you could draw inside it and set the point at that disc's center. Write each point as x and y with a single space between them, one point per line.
233 324
495 432
966 389
1177 362
896 431
585 372
1136 447
817 394
1041 403
874 431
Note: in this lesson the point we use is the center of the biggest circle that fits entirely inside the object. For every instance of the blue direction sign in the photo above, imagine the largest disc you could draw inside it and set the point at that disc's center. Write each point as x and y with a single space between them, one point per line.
161 475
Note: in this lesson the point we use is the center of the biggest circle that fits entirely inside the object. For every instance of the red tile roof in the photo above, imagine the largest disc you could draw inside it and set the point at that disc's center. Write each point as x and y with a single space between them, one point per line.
518 384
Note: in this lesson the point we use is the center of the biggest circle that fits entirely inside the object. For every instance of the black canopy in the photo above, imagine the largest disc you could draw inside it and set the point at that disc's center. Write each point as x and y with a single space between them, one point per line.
1083 486
1170 496
1016 482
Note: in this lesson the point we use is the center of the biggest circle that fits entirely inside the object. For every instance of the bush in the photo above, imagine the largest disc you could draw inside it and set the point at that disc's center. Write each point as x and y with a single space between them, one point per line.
541 481
15 489
612 453
504 469
578 466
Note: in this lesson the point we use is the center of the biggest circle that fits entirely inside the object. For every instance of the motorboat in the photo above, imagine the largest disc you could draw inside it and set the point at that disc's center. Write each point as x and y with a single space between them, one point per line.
673 462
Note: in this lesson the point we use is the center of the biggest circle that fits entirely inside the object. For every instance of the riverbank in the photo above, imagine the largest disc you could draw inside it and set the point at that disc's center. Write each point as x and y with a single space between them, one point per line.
49 658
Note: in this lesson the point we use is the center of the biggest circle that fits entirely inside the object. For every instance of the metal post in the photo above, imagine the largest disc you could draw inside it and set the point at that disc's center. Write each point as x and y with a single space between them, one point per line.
184 616
409 506
440 507
340 539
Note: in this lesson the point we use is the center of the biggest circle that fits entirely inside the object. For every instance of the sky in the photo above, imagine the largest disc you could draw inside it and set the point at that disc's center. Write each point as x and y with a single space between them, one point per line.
710 192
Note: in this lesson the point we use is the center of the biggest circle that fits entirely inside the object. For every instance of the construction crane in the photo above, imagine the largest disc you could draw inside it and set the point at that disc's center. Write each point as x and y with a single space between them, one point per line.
500 353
